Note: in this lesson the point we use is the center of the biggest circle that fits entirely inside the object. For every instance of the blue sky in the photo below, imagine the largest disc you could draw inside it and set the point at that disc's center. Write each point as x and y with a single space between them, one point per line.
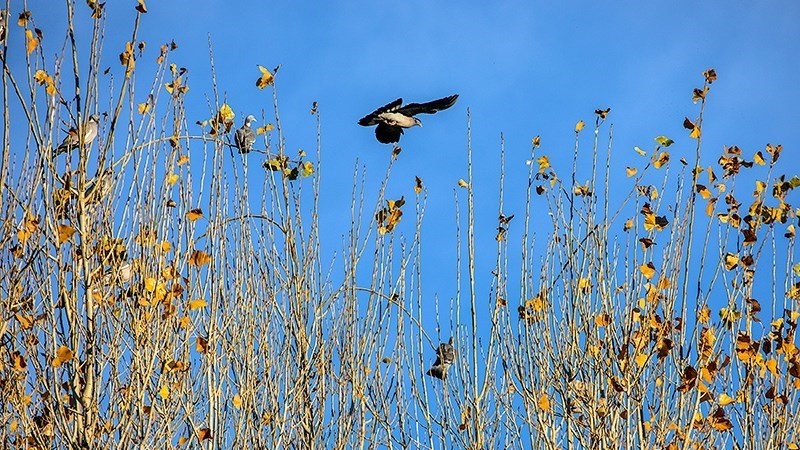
524 68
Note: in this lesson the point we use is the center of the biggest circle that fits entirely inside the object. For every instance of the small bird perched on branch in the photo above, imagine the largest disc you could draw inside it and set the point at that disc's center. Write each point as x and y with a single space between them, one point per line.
445 356
99 187
245 137
392 118
74 139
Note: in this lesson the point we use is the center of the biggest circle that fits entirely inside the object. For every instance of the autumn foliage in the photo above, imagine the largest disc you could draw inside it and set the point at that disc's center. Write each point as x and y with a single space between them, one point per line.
158 290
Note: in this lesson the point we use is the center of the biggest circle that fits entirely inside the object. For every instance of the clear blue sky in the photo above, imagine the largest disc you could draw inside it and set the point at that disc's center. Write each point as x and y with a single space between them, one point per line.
524 68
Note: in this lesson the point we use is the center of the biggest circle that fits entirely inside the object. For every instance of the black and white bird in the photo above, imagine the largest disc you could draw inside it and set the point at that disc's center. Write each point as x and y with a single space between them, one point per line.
100 187
392 118
445 356
74 139
245 137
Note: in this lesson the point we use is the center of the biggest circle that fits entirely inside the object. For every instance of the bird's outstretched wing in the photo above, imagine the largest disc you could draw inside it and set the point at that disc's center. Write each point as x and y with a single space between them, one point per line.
387 134
371 118
429 107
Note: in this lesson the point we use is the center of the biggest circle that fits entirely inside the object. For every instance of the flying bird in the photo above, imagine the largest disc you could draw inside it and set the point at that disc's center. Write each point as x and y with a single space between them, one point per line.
445 356
74 139
392 118
245 137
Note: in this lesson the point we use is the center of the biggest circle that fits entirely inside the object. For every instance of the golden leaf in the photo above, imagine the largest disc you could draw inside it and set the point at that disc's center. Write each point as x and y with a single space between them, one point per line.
641 359
197 303
725 400
25 321
629 224
201 344
22 19
731 261
758 158
236 401
143 108
194 214
544 403
602 320
65 232
63 355
150 284
462 183
31 43
544 163
183 159
141 7
265 79
579 126
163 392
199 258
631 171
226 113
172 179
648 270
417 185
536 141
308 169
662 159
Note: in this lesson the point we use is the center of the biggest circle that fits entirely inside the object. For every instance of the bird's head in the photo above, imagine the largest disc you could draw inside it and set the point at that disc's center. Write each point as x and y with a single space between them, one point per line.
94 118
249 119
417 122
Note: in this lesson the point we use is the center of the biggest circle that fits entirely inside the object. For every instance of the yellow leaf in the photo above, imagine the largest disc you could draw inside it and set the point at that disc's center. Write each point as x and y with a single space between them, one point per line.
536 141
183 440
65 232
63 355
760 186
544 403
308 169
758 158
150 284
143 107
22 19
731 261
197 303
237 401
695 134
579 126
628 224
704 315
25 321
544 163
194 214
163 392
417 185
226 113
703 191
631 171
462 183
165 246
172 179
653 194
141 7
662 159
648 270
31 43
725 400
183 159
602 320
641 359
772 366
710 207
199 258
265 79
